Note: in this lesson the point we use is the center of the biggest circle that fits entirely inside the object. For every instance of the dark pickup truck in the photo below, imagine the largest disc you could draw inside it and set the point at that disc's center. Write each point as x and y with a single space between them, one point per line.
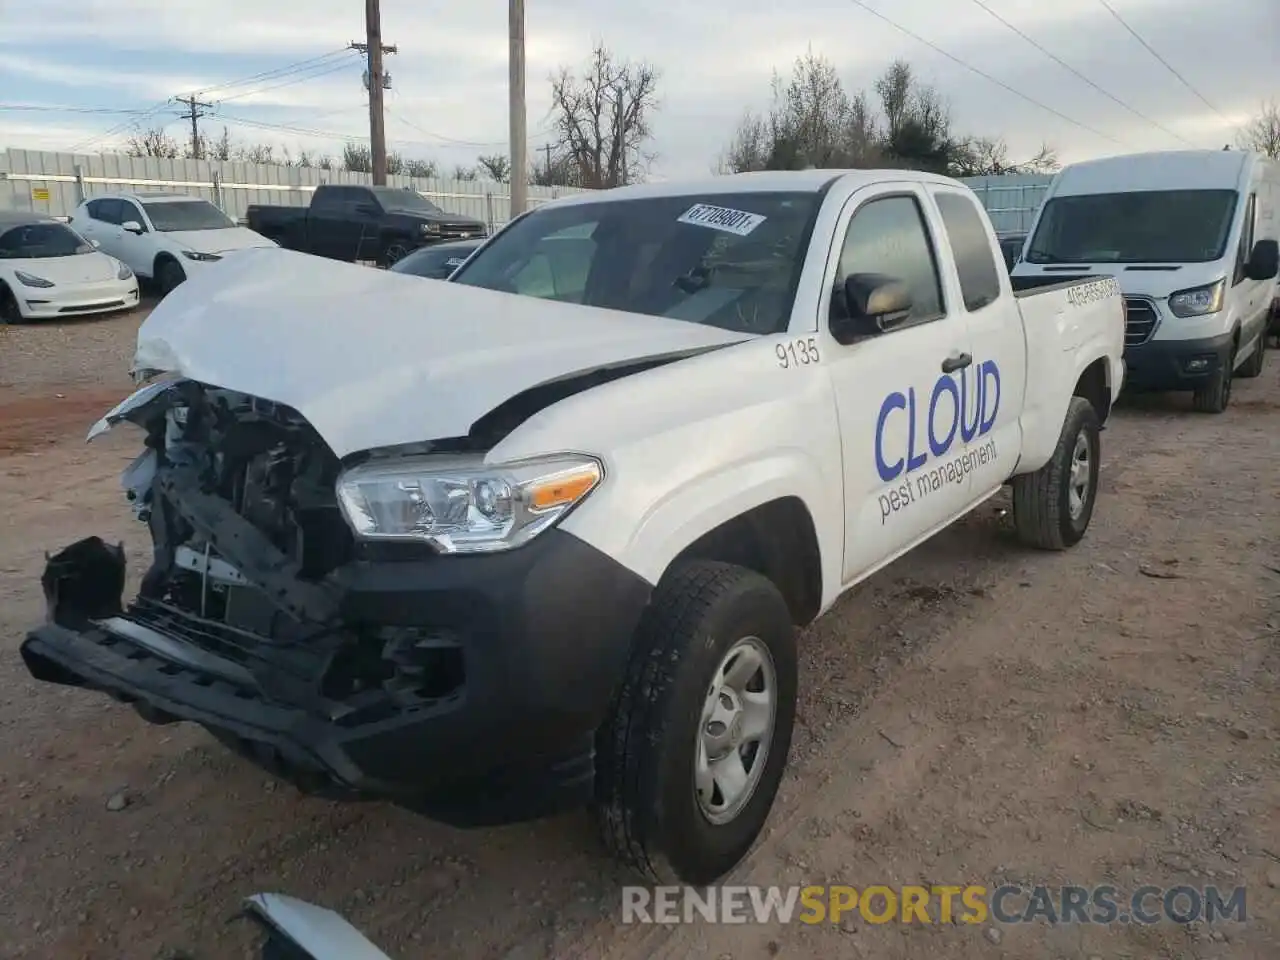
361 223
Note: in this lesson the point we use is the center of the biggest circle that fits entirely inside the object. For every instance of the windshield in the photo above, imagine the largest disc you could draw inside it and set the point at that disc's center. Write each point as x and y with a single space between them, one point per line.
37 241
726 260
435 262
1150 226
392 198
171 216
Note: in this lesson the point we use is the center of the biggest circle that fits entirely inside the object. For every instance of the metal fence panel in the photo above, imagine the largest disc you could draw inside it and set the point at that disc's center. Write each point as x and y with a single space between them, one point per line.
1011 200
55 183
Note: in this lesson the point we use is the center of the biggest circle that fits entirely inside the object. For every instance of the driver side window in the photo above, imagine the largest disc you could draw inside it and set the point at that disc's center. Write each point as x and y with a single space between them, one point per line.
889 236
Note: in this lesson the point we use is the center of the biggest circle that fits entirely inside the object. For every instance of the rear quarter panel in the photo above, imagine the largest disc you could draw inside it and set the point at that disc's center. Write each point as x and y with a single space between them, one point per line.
1067 330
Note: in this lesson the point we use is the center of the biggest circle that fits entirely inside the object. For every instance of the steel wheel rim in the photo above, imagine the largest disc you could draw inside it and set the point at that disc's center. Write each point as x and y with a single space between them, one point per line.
735 729
395 253
1081 468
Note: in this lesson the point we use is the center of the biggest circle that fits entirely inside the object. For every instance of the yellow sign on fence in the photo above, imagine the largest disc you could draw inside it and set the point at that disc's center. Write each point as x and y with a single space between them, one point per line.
40 193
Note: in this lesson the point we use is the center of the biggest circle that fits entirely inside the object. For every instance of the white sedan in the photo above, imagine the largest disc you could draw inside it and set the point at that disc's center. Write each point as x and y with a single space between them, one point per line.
47 270
163 237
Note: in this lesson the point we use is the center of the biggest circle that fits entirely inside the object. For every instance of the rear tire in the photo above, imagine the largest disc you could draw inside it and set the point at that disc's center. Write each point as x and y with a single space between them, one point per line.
1215 396
1253 366
169 275
678 712
1053 506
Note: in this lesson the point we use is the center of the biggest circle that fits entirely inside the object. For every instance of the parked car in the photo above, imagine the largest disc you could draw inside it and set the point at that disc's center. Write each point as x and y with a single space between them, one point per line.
48 270
1194 239
581 534
437 261
163 237
1011 245
352 223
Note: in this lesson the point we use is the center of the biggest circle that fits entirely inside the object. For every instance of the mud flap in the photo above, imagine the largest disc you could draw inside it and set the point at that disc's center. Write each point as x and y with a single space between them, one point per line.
297 930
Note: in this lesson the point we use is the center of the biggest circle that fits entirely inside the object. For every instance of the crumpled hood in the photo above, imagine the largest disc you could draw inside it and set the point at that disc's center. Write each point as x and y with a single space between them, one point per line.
374 359
220 241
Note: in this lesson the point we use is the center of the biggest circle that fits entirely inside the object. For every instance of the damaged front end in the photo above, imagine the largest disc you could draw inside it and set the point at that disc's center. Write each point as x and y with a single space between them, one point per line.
353 666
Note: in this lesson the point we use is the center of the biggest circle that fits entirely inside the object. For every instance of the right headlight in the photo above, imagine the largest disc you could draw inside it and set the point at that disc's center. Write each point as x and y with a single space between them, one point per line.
462 505
1198 301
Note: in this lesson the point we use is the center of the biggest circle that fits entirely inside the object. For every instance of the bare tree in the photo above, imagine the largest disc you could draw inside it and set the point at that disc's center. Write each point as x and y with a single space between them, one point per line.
989 157
1262 133
496 166
603 117
423 169
463 172
153 142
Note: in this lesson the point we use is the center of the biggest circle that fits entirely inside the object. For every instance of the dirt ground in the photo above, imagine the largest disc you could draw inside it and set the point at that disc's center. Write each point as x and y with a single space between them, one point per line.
974 714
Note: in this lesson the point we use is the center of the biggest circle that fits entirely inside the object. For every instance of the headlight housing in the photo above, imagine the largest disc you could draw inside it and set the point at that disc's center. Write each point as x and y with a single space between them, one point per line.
430 228
1198 301
31 280
462 505
202 257
122 271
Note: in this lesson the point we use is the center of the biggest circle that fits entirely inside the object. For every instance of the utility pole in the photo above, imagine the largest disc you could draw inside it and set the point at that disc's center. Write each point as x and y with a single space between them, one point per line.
547 147
519 134
373 48
193 114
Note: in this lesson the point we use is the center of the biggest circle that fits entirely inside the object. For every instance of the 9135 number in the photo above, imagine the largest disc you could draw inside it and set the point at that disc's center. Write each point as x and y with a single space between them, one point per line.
797 353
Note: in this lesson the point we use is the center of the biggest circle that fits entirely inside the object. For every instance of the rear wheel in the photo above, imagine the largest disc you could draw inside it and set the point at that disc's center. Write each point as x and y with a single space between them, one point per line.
169 275
1053 506
1215 396
9 312
394 252
690 762
1253 366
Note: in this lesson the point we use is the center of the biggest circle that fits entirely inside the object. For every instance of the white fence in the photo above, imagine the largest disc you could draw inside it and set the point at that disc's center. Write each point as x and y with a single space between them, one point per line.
55 183
1012 200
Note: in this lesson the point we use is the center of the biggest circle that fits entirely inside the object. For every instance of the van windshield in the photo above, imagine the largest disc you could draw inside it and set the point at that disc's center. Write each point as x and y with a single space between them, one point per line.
1150 226
725 260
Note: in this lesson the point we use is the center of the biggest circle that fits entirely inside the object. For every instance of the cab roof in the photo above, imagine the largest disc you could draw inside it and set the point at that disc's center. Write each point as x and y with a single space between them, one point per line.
1161 170
765 181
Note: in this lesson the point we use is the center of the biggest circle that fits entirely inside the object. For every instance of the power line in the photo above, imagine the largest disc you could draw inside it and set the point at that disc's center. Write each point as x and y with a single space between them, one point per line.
1165 63
986 76
328 69
277 72
450 141
46 108
119 128
1068 67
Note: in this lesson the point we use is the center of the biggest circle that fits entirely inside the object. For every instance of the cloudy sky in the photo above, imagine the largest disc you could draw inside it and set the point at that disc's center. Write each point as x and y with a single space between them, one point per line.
79 73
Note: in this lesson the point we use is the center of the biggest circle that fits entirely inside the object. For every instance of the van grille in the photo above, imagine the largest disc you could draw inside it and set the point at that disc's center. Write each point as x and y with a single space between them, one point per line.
1139 321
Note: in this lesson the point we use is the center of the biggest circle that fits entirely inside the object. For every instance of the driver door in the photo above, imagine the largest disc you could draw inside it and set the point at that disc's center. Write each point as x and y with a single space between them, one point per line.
903 397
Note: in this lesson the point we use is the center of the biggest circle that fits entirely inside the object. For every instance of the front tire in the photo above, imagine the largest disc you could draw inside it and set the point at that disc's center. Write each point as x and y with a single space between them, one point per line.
10 313
1053 506
169 275
1253 366
1215 396
689 763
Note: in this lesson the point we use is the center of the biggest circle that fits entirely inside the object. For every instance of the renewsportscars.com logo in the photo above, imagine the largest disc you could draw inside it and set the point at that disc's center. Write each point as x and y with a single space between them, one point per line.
969 904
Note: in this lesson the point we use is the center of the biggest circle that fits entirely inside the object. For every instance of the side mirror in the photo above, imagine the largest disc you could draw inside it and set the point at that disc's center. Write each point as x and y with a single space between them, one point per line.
132 226
872 304
1264 261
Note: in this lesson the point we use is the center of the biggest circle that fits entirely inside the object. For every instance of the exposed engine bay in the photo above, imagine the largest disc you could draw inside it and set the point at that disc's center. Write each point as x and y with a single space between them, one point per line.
238 494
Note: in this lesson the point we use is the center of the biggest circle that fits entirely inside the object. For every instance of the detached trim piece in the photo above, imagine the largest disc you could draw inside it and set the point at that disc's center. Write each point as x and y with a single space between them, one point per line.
321 934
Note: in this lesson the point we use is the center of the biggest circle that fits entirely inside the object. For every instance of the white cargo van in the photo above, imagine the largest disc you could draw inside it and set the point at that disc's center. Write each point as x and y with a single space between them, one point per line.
1191 236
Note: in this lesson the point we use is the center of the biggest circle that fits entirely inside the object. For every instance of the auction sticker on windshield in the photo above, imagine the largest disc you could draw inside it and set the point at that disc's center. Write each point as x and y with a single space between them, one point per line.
721 218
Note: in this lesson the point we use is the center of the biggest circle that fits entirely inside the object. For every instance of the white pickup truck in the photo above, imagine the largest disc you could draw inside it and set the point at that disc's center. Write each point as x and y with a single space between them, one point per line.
543 535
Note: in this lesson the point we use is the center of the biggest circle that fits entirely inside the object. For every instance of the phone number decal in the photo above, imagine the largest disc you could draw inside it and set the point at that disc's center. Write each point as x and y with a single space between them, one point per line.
1087 293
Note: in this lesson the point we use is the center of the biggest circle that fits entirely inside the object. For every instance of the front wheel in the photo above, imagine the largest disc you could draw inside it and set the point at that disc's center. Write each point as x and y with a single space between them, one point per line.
394 253
169 275
1253 366
1215 396
1053 506
689 763
9 311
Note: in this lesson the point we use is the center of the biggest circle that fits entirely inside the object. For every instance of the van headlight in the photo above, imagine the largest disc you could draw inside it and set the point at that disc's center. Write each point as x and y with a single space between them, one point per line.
462 505
1198 301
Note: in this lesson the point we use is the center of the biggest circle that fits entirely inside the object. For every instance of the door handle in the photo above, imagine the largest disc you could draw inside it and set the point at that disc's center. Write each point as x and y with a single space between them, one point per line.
952 364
